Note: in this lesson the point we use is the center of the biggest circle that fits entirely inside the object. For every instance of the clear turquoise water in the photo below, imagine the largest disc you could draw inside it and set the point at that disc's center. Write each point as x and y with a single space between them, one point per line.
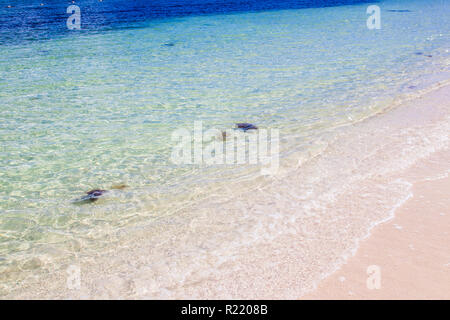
95 109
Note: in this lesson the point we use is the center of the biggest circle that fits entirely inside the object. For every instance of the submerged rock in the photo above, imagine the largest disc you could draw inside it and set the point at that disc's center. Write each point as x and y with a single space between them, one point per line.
400 10
91 196
246 126
95 194
421 53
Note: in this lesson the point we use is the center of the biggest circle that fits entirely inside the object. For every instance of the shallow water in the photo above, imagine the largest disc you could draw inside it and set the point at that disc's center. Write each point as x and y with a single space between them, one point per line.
96 108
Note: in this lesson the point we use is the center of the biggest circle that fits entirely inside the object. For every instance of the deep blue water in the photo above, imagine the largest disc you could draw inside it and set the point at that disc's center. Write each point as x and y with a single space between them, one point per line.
29 20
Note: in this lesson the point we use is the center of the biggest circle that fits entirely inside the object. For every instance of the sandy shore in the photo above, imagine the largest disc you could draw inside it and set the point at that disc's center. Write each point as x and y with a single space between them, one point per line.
410 253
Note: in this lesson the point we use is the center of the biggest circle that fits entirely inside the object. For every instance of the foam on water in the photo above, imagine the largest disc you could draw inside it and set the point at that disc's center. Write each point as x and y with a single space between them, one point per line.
98 109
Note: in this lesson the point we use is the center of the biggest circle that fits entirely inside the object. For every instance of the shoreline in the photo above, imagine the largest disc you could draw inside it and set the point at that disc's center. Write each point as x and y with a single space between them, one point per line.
277 242
410 249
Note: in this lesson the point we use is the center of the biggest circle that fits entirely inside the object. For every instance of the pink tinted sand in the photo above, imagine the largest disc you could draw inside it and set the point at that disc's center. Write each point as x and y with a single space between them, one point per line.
412 250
